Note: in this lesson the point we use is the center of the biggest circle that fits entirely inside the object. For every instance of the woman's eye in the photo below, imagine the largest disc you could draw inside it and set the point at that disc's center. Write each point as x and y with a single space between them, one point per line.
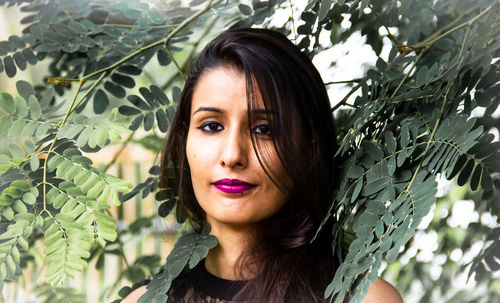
263 129
210 127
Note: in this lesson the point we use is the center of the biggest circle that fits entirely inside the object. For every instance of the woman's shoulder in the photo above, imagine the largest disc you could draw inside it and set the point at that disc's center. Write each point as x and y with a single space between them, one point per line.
382 291
134 296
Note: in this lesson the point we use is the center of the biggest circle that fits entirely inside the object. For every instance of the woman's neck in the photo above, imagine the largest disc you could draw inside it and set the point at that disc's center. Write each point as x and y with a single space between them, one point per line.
221 260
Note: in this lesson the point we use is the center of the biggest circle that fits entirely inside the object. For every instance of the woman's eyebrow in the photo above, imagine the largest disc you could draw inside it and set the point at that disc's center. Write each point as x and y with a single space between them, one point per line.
209 109
259 111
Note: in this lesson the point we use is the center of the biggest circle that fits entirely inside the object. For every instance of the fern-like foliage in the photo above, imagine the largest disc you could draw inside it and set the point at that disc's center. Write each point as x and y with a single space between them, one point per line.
189 249
53 187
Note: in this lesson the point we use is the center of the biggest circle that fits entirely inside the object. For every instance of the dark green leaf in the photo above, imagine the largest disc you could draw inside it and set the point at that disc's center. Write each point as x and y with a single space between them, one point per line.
486 181
123 80
128 110
20 60
176 94
482 99
138 102
245 9
357 190
466 172
422 75
324 8
149 97
476 176
114 89
10 68
375 186
76 27
101 101
390 142
161 118
136 122
165 208
163 57
159 94
130 70
149 121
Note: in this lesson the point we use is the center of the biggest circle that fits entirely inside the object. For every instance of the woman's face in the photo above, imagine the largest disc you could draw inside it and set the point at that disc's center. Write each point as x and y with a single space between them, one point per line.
228 180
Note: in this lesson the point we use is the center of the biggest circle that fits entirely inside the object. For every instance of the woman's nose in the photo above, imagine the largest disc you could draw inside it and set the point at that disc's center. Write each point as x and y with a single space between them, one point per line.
235 150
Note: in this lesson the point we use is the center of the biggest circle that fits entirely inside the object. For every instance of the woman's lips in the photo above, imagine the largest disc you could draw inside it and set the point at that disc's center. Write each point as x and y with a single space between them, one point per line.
233 189
233 186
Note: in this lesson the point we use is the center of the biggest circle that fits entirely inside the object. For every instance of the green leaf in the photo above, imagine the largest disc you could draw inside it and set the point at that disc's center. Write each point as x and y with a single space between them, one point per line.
482 99
324 8
390 142
53 162
357 190
245 9
34 107
375 186
30 56
25 89
16 151
7 103
422 75
76 27
16 128
21 107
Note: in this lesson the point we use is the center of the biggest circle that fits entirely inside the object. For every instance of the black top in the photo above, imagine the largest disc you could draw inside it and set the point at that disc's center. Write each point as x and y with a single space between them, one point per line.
200 286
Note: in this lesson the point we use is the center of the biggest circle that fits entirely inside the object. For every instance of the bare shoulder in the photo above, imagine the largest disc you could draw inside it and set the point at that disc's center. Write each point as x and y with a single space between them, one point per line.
134 296
382 291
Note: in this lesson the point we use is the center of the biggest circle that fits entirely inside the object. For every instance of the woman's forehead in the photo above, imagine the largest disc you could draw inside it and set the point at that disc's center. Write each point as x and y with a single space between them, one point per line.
223 87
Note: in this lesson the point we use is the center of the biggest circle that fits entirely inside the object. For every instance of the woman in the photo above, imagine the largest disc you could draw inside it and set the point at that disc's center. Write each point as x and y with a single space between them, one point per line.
252 144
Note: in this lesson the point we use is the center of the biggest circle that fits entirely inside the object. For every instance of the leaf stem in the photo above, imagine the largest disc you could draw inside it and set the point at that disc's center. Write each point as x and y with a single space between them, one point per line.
430 40
152 45
191 53
117 154
345 81
179 68
131 26
89 90
352 91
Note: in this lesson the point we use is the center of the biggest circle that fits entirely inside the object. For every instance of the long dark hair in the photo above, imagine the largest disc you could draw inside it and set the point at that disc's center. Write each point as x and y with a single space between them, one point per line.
291 269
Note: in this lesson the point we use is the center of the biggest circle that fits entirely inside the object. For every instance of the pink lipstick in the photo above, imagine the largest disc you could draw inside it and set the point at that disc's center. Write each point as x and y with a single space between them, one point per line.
233 186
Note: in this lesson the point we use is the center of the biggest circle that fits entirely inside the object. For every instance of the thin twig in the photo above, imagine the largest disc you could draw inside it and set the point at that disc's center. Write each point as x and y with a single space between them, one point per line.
191 54
430 40
391 37
131 26
117 154
179 68
345 81
344 100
